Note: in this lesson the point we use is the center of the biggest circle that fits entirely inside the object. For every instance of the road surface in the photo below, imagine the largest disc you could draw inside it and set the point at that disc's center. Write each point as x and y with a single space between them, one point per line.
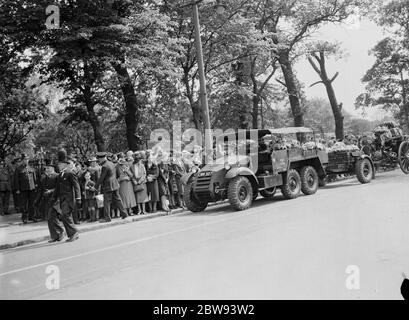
348 241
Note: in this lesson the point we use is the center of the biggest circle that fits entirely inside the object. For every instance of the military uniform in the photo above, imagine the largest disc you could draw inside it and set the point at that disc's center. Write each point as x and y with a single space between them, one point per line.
5 189
25 182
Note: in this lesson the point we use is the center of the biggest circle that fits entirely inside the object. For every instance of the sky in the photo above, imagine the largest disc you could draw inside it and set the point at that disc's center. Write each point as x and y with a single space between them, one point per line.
357 37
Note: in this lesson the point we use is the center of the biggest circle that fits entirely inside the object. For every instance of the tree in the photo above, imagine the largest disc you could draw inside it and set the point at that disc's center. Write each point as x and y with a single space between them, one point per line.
289 24
387 81
19 112
317 59
128 38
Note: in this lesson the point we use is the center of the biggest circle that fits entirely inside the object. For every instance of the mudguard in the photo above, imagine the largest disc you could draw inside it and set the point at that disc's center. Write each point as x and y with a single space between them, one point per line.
240 171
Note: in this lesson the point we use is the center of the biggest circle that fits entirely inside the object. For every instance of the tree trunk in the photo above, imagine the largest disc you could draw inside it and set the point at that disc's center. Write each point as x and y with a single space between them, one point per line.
131 105
256 101
96 127
292 90
90 104
336 110
194 105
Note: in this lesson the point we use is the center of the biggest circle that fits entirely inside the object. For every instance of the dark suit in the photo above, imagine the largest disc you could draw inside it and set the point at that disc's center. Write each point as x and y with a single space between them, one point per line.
67 191
5 189
110 188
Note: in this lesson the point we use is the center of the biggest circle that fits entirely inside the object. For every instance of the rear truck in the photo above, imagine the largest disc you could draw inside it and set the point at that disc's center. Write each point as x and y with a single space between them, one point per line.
349 162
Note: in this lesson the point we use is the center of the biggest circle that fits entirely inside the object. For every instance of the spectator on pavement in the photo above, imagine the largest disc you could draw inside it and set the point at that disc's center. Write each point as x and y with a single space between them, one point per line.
109 187
25 179
5 187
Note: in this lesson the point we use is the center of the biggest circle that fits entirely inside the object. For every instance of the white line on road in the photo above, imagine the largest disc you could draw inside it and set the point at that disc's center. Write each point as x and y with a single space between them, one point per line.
117 246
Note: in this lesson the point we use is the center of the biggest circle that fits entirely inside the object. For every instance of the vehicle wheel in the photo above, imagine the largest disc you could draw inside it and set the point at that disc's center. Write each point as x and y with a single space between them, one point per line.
403 156
309 180
292 185
269 193
191 202
240 193
322 182
363 170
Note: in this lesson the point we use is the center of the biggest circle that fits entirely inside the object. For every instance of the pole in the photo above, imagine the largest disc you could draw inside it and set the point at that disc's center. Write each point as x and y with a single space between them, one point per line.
202 80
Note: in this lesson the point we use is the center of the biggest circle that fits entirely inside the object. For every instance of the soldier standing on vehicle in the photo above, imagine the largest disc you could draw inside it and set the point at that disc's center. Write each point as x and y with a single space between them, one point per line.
25 179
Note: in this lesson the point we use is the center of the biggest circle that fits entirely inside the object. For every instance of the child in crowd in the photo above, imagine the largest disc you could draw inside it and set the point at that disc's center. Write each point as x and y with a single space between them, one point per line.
89 197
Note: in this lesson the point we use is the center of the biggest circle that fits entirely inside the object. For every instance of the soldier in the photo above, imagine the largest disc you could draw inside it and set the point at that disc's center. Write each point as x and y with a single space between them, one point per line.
5 187
16 198
66 196
109 187
25 180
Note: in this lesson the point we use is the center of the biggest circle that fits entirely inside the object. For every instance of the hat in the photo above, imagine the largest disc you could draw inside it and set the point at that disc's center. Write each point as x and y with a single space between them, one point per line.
101 154
48 163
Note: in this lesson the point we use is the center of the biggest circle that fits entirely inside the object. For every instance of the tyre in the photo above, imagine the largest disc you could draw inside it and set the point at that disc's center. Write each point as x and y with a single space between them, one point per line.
292 185
363 170
403 156
191 202
309 180
269 193
240 193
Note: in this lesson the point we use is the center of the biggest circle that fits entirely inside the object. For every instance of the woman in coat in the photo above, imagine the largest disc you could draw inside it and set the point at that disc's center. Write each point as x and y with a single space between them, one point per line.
152 174
126 192
163 180
139 182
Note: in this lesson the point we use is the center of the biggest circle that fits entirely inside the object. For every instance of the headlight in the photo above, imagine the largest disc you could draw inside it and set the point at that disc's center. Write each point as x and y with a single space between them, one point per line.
227 166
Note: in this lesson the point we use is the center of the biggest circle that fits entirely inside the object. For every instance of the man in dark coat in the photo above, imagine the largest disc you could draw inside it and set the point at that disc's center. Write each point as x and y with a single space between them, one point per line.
46 188
5 187
67 193
25 181
109 187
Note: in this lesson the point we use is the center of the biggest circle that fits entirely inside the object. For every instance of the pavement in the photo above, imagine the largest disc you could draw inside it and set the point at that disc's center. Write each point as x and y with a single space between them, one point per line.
13 233
347 241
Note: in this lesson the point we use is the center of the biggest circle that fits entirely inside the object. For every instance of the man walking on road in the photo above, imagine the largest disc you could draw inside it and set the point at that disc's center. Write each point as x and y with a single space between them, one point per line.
67 192
109 187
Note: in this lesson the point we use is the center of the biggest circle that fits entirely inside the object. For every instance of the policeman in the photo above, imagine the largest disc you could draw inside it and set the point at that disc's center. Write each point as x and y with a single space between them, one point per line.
5 187
25 180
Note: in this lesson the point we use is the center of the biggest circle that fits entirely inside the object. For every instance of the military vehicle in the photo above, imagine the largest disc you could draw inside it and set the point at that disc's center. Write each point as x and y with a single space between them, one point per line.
267 165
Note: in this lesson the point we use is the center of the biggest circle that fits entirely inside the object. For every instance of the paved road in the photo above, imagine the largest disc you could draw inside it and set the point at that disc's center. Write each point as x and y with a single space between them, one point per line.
282 249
